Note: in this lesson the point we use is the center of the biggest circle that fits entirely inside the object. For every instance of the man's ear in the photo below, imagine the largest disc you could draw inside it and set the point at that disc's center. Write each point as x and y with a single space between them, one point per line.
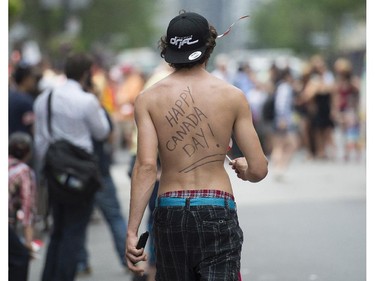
86 81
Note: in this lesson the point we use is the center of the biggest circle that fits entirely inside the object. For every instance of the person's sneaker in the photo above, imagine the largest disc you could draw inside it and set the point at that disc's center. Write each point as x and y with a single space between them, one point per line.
83 271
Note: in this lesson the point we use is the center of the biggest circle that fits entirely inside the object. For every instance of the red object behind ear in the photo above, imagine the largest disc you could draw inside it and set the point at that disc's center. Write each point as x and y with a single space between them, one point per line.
230 144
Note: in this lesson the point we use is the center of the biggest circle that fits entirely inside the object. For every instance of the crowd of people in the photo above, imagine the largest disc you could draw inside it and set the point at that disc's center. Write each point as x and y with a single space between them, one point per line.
316 111
291 113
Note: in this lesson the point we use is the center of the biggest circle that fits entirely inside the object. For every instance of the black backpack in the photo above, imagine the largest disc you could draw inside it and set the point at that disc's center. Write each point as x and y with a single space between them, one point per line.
72 173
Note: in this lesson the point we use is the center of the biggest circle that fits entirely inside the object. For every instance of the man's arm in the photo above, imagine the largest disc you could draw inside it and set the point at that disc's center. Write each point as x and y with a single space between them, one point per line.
143 180
41 134
254 166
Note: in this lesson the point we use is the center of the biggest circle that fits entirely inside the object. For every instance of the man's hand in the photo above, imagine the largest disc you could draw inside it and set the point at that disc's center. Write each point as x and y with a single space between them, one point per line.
282 125
133 256
239 165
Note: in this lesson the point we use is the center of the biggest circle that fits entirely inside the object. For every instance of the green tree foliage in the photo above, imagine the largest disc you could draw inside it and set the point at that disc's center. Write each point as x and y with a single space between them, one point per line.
14 8
125 23
293 23
113 23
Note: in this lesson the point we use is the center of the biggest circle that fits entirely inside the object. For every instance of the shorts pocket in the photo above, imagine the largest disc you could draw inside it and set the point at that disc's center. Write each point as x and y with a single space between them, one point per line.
220 224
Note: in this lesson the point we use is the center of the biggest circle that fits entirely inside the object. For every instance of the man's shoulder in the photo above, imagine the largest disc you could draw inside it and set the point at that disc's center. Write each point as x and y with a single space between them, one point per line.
71 92
144 98
151 93
221 83
227 90
41 98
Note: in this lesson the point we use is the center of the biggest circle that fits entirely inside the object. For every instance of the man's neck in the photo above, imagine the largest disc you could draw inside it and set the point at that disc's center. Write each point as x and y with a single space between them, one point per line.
192 71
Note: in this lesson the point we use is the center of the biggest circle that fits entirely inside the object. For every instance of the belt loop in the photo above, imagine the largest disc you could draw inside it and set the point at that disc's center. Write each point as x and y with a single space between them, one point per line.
187 203
158 201
226 203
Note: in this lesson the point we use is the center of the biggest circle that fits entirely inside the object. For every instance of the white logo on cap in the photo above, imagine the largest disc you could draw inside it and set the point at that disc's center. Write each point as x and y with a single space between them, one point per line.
180 41
195 55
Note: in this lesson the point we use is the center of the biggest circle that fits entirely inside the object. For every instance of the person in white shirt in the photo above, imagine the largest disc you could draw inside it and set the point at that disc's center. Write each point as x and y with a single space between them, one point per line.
76 116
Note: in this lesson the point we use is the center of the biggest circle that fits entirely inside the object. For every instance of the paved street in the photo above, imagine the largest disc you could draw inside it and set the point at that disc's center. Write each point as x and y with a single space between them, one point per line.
310 226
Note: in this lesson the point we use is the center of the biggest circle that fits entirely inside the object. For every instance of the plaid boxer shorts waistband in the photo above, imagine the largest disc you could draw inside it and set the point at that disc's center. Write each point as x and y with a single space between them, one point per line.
190 193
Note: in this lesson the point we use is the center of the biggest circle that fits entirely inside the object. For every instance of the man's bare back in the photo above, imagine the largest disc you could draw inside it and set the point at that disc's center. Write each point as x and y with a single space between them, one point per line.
188 119
193 114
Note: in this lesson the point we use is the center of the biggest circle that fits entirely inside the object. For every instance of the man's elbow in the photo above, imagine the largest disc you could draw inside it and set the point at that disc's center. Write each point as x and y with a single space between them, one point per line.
146 168
259 173
102 135
258 177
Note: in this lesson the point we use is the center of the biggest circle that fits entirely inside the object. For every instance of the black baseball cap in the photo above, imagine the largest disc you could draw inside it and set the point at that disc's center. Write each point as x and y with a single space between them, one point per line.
187 35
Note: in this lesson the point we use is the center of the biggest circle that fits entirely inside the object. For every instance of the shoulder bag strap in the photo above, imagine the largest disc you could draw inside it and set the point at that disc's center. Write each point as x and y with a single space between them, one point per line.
49 114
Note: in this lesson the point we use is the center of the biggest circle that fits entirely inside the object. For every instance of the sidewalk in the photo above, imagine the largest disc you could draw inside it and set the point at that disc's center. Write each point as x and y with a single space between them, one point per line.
305 182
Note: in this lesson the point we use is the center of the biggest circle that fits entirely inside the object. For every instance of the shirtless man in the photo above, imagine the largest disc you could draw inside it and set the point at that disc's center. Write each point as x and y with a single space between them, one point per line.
188 119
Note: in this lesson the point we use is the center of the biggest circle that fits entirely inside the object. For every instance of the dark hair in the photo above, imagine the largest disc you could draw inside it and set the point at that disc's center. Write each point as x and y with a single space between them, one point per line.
20 145
77 65
284 73
22 72
211 43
